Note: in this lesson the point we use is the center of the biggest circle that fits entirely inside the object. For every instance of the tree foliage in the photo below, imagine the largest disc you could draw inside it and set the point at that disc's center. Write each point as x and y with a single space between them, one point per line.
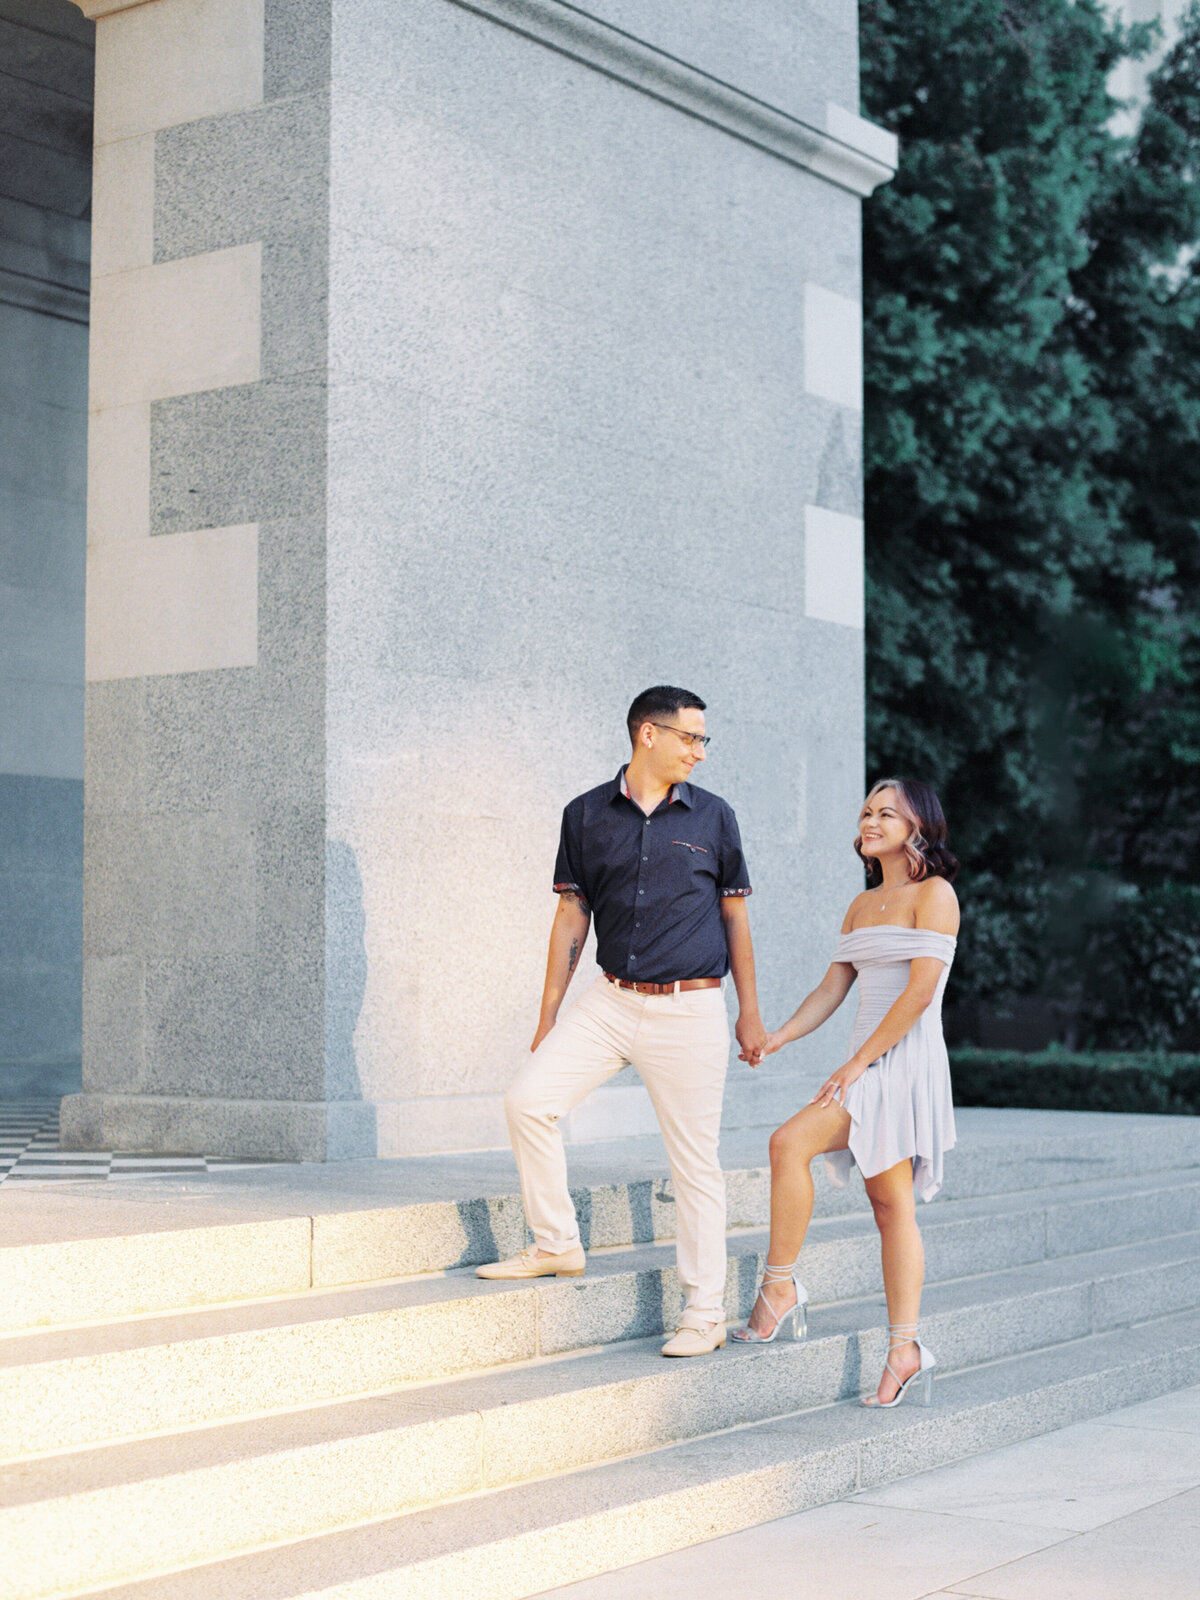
1032 310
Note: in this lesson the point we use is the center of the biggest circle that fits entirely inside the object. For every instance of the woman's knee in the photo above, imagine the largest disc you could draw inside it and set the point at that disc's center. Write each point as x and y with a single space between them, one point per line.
788 1147
892 1212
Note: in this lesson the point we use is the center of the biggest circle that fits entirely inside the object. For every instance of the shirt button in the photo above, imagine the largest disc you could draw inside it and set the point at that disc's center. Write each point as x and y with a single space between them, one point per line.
641 891
637 924
645 858
632 959
647 821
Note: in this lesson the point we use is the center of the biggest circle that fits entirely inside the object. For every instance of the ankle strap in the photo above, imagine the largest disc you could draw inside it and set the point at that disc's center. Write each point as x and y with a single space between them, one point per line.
773 1274
901 1333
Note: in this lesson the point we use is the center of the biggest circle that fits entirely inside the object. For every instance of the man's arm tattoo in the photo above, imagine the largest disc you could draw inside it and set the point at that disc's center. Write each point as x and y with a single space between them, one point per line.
573 957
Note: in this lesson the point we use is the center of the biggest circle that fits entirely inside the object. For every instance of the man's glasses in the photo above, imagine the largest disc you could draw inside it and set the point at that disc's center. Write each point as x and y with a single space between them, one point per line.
693 739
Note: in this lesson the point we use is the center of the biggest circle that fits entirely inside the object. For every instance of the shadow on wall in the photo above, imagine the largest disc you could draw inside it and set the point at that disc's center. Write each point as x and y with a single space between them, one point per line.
345 968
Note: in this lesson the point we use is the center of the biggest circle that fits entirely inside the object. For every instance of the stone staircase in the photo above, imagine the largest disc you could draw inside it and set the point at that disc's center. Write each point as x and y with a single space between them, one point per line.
334 1404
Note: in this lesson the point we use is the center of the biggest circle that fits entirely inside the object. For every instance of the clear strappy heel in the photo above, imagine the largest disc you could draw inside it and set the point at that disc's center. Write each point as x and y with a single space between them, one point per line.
795 1317
900 1334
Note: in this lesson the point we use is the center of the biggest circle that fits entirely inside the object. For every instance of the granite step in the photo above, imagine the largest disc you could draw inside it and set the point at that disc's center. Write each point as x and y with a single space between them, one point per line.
440 1236
516 1542
66 1388
245 1236
195 1495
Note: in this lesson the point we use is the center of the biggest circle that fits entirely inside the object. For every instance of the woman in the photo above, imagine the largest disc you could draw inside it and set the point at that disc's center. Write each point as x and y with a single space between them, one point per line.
888 1109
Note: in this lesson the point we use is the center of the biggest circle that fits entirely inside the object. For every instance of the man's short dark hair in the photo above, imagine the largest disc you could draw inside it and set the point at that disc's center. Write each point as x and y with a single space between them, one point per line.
664 700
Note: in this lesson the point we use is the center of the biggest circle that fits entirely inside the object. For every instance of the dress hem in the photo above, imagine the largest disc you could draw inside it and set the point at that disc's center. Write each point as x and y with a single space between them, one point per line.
839 1162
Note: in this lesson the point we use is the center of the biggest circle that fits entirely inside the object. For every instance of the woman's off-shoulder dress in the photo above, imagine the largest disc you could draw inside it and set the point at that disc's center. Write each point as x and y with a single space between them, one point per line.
900 1109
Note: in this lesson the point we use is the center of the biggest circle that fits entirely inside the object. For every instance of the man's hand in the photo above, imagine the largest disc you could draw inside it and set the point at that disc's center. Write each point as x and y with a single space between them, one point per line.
775 1041
751 1036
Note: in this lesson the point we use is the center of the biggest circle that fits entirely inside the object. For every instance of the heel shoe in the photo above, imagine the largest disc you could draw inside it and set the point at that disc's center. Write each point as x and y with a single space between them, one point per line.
900 1334
794 1318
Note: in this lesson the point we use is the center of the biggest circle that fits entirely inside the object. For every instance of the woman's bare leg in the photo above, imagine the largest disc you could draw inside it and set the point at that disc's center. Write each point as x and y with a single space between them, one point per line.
892 1200
809 1133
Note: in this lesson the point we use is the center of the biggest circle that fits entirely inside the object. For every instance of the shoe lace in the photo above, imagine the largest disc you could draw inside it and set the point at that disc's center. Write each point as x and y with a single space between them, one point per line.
773 1273
899 1334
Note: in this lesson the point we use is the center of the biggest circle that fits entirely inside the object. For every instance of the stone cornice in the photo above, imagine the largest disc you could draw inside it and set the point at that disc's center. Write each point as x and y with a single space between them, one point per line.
852 153
859 158
104 8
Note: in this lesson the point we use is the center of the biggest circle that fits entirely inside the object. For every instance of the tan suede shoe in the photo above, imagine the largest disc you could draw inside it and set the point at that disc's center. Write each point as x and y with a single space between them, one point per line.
530 1265
695 1341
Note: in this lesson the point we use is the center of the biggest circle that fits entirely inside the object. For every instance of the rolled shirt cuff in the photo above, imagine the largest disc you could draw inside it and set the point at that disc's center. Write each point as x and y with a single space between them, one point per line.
573 888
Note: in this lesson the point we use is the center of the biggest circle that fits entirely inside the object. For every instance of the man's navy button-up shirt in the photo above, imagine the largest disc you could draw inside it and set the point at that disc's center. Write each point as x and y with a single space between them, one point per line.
653 883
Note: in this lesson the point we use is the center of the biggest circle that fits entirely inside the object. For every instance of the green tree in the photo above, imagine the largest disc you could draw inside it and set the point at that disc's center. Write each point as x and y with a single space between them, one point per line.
1032 457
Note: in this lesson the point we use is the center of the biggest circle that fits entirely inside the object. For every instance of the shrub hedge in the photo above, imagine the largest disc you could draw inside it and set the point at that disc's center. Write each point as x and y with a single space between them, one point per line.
1061 1080
1141 973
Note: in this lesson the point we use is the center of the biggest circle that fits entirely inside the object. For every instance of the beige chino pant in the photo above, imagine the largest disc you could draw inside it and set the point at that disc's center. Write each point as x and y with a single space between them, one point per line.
679 1045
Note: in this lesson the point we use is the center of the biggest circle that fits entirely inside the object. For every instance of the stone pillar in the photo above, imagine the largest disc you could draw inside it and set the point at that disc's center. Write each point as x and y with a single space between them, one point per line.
204 891
449 385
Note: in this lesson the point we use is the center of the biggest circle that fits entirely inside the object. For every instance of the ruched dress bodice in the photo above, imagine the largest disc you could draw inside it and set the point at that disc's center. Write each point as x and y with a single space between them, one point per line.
900 1109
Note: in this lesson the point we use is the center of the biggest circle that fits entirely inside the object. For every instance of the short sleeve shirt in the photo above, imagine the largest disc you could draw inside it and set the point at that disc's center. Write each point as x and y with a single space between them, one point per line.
654 884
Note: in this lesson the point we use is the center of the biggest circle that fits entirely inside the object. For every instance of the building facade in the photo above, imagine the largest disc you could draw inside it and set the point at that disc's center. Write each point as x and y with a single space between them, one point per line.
46 72
456 370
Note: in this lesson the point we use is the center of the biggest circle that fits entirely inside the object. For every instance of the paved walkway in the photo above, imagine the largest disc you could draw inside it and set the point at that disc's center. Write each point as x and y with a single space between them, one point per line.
30 1153
1104 1510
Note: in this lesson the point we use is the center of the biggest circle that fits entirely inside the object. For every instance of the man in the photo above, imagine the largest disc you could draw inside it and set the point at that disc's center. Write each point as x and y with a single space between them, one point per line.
659 865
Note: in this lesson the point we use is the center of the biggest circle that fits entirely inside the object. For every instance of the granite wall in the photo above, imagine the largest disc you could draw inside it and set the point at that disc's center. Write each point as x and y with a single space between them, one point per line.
457 370
594 423
204 994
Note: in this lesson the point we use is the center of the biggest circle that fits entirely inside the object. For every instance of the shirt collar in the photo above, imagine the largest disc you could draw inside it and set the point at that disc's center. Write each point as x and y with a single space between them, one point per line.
681 792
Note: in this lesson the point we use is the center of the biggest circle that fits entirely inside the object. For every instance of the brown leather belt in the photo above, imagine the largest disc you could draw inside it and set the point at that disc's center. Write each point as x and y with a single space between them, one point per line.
663 988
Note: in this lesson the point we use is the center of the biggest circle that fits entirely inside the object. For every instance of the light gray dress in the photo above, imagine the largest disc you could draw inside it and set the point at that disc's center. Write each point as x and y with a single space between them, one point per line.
900 1109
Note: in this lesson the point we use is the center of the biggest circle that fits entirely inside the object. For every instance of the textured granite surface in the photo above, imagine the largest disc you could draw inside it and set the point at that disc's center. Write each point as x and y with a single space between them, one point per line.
566 331
194 1386
530 431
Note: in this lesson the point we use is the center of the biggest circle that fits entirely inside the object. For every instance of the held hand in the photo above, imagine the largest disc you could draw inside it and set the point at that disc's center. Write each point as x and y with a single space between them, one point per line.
752 1037
774 1041
833 1090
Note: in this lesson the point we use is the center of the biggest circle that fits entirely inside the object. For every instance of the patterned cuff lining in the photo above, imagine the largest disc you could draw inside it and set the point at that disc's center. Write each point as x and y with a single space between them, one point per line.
735 894
573 888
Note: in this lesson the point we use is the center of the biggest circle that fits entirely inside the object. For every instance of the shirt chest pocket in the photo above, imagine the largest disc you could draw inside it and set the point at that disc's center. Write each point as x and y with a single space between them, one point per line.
688 864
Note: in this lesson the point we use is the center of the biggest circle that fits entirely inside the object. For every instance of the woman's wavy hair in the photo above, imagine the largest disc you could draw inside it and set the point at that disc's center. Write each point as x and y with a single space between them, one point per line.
929 856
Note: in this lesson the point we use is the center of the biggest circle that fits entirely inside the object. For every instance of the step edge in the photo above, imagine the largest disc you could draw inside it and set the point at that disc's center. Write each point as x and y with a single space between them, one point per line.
1025 1201
1030 1296
260 1459
1055 1388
